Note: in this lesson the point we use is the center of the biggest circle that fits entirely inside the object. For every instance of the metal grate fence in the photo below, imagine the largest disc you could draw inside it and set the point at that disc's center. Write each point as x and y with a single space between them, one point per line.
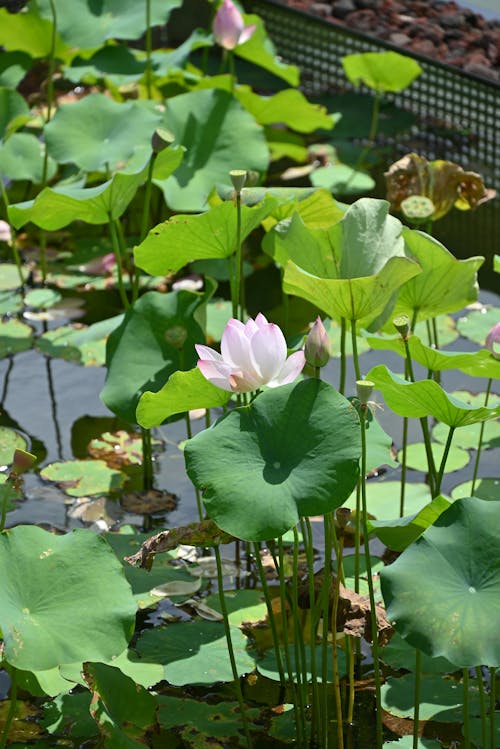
458 114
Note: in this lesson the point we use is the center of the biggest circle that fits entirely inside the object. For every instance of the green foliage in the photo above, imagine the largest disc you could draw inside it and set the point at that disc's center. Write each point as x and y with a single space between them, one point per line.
79 478
381 71
14 336
260 50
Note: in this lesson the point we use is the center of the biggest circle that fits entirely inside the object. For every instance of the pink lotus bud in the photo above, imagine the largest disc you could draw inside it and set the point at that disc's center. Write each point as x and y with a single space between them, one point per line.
252 355
493 341
317 346
229 28
5 233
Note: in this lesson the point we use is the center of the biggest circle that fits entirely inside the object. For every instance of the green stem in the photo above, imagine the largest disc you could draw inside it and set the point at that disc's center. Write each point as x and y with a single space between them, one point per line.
327 576
480 443
240 288
300 650
357 538
118 257
493 701
316 727
147 460
149 48
146 208
403 468
355 349
416 698
373 612
270 613
482 704
12 708
189 433
449 439
230 59
50 87
343 357
335 659
465 709
227 629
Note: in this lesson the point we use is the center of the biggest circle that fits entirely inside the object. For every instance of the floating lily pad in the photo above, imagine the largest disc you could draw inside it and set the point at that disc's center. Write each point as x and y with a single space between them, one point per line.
202 725
446 328
484 489
440 699
118 449
294 451
195 652
82 344
400 533
14 336
79 478
476 324
242 605
42 298
455 613
8 495
10 301
9 277
342 179
398 654
10 441
383 497
75 578
69 712
416 457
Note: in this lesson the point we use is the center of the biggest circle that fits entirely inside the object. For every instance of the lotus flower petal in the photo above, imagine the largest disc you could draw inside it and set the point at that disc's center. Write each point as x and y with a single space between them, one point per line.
493 341
268 347
290 370
229 28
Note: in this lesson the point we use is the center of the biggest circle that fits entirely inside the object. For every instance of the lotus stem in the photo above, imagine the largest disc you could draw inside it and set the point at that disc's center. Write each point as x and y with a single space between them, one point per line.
493 700
355 349
327 576
335 660
12 708
482 703
189 433
480 442
373 612
466 725
316 725
149 47
443 460
239 292
270 613
416 698
50 85
300 650
118 257
227 629
343 358
403 468
147 460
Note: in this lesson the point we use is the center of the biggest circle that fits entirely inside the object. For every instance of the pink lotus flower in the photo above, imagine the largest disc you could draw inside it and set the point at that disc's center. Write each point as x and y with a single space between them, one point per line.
229 28
317 345
252 355
493 341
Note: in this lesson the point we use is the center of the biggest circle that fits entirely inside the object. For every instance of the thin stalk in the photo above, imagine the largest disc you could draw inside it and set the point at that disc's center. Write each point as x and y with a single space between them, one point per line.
355 349
230 60
240 288
50 85
149 48
373 613
189 433
465 709
352 691
335 659
357 538
316 728
239 694
403 468
145 220
371 135
480 443
416 698
12 708
343 358
493 701
439 478
327 576
300 649
118 257
270 613
482 703
147 460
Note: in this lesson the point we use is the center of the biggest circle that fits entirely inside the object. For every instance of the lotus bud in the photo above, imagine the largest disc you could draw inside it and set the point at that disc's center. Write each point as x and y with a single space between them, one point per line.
364 389
317 345
161 139
493 341
238 178
22 462
229 27
402 325
176 336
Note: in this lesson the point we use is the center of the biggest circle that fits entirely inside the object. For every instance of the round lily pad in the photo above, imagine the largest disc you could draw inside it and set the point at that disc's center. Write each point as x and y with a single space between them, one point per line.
476 324
9 277
42 298
14 336
10 440
75 579
399 654
484 489
440 699
383 497
443 593
80 478
416 457
294 451
10 301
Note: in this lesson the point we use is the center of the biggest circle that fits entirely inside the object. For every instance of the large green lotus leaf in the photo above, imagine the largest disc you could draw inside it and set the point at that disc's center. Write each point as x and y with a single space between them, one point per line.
182 392
165 62
182 239
12 107
54 208
474 363
88 24
22 157
75 579
342 179
122 709
27 32
476 325
398 654
427 398
260 50
13 68
316 208
115 63
79 343
443 593
400 533
69 711
80 478
289 107
381 71
285 144
378 446
294 451
8 494
219 135
202 724
416 457
445 284
406 742
383 498
10 441
468 437
441 700
476 730
14 336
360 299
484 489
195 652
97 133
157 335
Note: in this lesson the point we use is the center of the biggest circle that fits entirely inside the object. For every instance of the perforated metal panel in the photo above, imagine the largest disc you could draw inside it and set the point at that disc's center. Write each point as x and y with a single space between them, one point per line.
458 113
